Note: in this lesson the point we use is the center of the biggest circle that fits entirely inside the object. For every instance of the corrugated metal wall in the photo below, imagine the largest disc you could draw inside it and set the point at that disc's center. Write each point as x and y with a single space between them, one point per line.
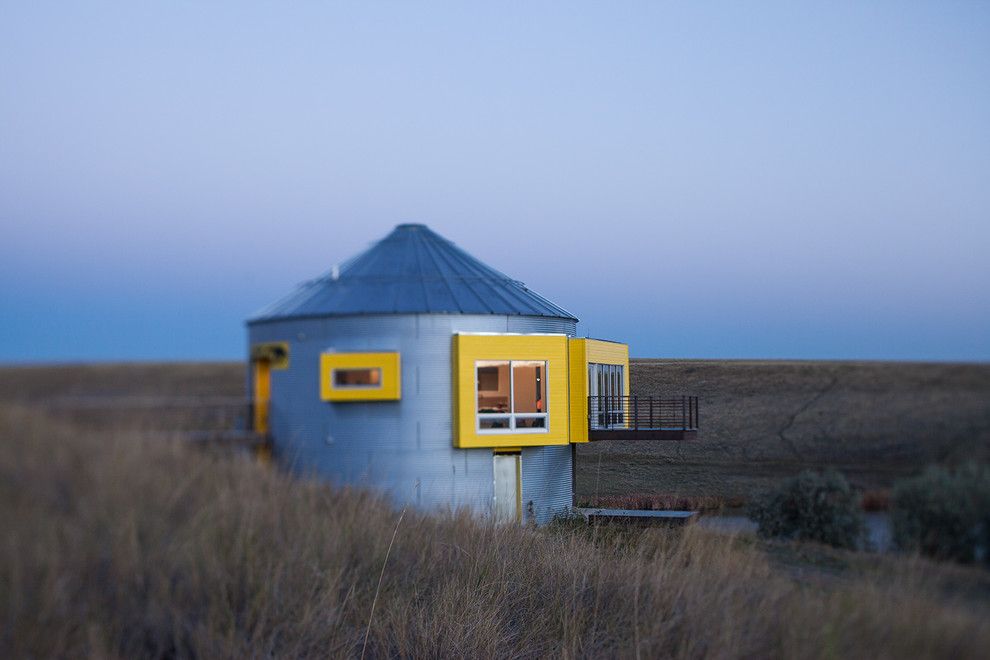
546 482
404 447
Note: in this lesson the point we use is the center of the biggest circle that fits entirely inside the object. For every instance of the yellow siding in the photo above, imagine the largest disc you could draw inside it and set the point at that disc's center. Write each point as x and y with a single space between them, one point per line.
582 353
262 394
577 348
608 352
389 363
468 349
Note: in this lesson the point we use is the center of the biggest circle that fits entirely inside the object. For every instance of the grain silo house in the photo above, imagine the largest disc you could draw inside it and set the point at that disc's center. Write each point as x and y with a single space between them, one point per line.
416 369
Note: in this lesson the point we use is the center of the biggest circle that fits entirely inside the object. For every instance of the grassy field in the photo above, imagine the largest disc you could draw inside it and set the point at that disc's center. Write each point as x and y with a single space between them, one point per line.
760 420
120 543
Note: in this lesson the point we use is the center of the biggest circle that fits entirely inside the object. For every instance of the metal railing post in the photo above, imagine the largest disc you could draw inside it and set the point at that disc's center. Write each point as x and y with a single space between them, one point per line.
607 412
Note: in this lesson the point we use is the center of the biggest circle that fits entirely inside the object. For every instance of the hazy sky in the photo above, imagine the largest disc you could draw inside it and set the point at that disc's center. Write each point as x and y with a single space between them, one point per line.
698 179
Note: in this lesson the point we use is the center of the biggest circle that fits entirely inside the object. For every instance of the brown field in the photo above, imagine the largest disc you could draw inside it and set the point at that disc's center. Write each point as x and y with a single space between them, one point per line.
761 420
121 543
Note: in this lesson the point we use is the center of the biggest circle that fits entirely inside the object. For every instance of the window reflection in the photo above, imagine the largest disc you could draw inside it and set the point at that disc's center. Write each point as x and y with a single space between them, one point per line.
494 422
493 387
512 395
357 378
529 394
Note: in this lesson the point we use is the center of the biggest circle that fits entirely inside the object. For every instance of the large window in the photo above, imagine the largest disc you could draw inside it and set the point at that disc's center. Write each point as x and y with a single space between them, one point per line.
606 385
512 396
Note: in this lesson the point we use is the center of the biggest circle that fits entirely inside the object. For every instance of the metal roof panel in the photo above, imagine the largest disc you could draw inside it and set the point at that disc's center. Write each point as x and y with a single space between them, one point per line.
413 270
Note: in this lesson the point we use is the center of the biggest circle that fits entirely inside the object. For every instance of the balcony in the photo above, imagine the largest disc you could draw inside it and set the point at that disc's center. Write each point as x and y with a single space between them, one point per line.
642 418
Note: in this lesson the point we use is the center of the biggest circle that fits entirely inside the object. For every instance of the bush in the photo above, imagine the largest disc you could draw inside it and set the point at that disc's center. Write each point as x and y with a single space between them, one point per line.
944 514
811 507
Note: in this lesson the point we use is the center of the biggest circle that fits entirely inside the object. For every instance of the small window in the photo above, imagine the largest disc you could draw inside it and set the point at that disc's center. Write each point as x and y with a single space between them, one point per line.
357 378
360 377
512 396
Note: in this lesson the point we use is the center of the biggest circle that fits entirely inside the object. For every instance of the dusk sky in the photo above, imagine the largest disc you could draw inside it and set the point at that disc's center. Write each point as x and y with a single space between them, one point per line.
756 180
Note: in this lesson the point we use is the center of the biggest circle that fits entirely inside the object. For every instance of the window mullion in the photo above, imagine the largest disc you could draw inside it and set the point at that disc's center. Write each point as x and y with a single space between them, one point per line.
512 397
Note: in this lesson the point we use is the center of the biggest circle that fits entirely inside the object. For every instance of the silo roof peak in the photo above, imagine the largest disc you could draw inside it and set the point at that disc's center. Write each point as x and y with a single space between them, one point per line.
413 270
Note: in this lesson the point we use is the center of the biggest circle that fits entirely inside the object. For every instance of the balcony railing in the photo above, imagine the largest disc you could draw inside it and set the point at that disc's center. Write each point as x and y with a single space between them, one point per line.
642 417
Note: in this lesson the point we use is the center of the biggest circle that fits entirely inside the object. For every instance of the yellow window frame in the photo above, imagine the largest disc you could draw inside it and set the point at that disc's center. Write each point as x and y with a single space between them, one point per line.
471 348
390 388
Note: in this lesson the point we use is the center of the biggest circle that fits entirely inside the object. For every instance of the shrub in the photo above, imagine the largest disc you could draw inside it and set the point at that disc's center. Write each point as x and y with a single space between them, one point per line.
875 500
944 514
811 507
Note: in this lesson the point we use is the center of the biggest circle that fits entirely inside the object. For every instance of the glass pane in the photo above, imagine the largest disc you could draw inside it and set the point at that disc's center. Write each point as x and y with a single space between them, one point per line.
357 377
493 386
531 422
493 422
529 387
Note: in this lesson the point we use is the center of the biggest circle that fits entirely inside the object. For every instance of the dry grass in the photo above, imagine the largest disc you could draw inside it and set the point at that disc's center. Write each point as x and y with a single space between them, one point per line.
118 546
660 502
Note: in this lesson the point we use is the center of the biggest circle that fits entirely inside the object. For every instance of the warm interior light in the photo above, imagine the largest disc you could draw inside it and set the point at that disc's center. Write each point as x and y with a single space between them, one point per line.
370 377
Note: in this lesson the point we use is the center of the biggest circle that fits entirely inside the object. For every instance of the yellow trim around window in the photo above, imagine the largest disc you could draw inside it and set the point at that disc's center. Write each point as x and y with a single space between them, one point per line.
468 349
390 388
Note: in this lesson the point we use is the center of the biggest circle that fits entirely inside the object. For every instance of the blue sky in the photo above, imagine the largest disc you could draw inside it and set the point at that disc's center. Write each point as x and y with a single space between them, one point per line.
699 179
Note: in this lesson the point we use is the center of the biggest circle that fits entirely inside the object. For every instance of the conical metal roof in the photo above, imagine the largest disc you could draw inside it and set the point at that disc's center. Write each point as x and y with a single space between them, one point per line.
413 270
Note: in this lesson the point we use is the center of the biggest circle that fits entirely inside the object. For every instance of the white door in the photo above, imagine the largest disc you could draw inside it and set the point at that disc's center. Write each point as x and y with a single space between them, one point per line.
507 506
